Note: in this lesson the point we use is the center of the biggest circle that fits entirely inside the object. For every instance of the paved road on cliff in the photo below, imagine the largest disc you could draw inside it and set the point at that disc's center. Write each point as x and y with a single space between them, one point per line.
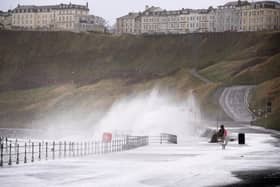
234 101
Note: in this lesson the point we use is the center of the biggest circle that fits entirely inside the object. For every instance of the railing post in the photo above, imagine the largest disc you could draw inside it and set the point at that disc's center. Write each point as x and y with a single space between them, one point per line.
10 154
1 154
73 148
17 162
85 148
25 156
42 149
53 149
46 150
6 144
32 156
39 157
113 145
59 149
64 149
81 149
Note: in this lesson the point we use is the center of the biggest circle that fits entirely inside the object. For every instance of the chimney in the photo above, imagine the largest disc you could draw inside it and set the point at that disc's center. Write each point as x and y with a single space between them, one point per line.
146 7
239 2
87 5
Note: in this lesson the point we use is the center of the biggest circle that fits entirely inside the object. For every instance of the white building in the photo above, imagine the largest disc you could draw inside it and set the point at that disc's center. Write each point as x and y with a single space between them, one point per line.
235 16
228 16
62 17
199 21
5 20
154 20
67 16
128 24
260 16
33 17
91 23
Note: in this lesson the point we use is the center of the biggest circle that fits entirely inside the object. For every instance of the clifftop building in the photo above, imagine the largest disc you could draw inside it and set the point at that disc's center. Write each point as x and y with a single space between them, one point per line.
5 20
127 24
62 17
260 16
235 16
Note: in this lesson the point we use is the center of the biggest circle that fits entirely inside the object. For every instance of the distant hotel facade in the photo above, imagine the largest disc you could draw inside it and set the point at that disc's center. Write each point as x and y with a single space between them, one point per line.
239 16
5 20
62 17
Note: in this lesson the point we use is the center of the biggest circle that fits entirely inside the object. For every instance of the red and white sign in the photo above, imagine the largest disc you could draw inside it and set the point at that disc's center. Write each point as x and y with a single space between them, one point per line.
107 137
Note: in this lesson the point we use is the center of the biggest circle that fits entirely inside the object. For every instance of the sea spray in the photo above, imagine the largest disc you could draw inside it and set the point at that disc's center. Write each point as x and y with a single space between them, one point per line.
151 114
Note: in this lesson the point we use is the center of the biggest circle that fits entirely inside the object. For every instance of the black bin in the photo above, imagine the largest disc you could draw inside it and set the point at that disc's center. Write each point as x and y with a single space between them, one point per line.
241 138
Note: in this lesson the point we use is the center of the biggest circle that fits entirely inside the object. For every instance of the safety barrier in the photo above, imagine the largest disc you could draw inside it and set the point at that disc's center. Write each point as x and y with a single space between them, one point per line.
164 138
17 152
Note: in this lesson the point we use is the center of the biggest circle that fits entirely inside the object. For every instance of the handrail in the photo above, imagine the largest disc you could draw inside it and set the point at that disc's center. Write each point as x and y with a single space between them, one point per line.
13 151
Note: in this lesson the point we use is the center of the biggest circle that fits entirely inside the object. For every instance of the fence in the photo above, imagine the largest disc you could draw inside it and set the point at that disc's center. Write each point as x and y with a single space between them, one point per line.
21 151
16 152
164 138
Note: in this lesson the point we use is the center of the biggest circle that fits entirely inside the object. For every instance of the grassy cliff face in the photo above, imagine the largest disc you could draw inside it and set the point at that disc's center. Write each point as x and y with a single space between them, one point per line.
33 59
46 73
76 106
268 91
261 69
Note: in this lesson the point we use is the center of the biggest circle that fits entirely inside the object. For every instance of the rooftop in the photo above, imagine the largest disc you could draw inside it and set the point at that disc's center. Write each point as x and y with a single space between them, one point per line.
236 3
35 8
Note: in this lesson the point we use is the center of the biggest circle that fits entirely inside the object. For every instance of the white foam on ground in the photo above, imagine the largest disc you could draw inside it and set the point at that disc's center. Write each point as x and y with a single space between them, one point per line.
193 163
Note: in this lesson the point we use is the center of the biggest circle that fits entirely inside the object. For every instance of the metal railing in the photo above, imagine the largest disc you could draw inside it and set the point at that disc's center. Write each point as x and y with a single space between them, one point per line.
17 152
164 138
